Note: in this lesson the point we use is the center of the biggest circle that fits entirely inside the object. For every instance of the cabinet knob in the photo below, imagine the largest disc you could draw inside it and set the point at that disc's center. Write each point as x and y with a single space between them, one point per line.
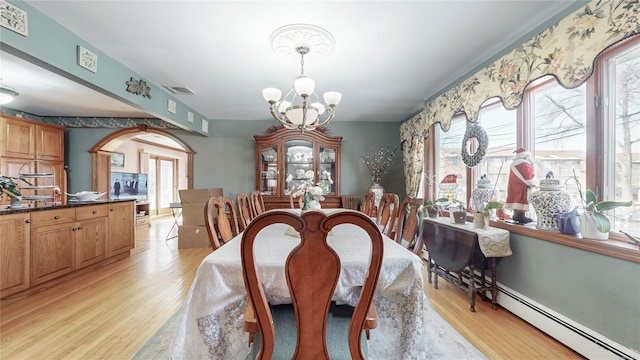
79 227
57 217
111 209
28 221
74 229
94 212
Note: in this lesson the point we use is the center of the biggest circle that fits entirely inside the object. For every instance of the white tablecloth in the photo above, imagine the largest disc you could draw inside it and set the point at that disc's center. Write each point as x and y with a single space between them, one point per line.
211 326
494 242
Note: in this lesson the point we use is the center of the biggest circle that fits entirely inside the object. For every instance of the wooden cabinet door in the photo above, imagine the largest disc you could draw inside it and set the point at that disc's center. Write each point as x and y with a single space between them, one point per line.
121 237
49 143
52 252
14 253
91 234
17 138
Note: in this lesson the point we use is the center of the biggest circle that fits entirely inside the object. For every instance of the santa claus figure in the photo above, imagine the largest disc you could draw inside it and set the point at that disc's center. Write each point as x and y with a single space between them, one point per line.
521 180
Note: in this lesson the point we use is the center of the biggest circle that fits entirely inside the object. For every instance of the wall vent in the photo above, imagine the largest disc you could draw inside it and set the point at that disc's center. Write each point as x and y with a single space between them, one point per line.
180 90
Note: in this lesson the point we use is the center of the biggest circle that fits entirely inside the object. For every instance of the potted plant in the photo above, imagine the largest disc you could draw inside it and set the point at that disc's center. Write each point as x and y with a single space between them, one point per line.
458 212
9 187
595 224
433 207
483 212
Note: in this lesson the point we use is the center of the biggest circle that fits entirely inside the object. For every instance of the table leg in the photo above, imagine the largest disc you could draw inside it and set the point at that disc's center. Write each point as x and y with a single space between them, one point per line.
429 268
472 289
174 226
494 284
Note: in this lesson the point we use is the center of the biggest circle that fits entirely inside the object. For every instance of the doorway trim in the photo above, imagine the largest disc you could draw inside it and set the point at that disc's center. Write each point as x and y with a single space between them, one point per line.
101 167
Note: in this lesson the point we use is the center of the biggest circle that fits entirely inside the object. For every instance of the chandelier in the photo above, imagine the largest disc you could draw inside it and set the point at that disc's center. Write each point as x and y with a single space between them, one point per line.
301 108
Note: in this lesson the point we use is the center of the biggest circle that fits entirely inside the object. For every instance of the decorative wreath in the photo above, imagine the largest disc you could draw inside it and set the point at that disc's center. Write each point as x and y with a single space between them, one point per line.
477 132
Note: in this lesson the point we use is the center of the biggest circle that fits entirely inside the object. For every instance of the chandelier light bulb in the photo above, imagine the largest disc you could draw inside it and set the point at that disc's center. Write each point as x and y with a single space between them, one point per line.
332 97
271 94
304 86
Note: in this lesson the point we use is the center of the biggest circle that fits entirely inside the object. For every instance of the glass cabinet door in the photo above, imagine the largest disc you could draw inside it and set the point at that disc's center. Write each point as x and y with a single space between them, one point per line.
327 170
269 171
298 167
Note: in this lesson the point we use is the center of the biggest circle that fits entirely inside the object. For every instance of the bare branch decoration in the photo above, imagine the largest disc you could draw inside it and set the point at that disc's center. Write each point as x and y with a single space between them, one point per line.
379 162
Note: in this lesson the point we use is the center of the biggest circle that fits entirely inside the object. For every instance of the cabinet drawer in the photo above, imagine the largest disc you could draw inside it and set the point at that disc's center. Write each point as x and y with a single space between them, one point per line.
52 217
142 221
91 212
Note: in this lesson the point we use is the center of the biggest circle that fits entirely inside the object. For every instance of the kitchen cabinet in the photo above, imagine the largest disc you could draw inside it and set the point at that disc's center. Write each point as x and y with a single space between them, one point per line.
14 253
26 139
52 244
32 147
91 234
287 159
121 227
40 245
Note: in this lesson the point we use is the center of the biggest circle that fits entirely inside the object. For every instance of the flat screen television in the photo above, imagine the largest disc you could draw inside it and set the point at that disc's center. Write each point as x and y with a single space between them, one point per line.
128 186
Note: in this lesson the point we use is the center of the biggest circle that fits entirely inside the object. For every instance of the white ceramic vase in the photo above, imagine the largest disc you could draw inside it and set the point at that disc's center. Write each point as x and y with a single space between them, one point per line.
314 205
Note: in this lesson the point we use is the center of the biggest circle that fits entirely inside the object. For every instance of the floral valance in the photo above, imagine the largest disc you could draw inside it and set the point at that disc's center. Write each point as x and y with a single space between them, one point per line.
566 50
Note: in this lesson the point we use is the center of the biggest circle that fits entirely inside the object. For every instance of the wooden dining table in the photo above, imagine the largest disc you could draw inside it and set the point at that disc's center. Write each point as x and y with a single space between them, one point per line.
211 326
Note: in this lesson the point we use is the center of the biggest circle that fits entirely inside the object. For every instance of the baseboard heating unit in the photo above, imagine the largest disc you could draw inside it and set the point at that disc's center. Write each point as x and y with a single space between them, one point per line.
578 337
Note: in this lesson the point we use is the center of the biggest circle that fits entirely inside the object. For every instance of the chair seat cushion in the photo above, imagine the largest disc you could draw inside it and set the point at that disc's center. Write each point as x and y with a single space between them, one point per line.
284 321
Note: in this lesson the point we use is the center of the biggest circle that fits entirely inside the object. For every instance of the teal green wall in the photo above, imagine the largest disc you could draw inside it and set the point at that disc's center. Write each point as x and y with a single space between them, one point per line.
227 157
598 291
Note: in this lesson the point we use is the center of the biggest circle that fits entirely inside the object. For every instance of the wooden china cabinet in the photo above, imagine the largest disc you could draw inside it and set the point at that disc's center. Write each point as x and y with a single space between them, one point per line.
286 159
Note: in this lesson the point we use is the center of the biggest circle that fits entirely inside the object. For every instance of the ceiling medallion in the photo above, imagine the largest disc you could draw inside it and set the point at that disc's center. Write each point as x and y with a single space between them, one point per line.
286 41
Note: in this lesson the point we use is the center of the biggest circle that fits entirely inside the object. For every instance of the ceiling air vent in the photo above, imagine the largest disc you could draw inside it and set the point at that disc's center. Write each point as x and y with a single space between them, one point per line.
180 90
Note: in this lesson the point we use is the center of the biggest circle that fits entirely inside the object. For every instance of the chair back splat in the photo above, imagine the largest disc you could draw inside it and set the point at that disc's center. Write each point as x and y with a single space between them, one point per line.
244 210
408 224
312 270
388 214
368 205
256 203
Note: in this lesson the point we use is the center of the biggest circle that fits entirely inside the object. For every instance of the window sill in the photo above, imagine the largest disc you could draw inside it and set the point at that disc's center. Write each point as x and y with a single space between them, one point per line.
617 245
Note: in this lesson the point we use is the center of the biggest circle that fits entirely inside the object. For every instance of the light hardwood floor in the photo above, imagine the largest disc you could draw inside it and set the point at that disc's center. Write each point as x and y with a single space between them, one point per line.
110 312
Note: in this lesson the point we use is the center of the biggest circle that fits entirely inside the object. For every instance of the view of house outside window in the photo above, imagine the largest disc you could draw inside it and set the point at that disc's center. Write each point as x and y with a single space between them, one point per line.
450 161
621 85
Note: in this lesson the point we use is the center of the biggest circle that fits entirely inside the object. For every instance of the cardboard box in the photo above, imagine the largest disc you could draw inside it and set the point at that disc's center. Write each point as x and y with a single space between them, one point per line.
193 196
193 237
192 202
193 214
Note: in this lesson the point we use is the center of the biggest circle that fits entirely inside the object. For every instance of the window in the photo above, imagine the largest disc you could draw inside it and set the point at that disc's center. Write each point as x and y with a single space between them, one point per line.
558 131
620 93
592 130
500 124
450 177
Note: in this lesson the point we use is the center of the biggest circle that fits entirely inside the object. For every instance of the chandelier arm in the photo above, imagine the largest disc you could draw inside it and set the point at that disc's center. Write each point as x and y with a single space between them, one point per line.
331 114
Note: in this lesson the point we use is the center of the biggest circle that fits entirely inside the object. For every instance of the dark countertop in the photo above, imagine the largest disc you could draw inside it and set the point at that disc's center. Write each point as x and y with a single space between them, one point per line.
7 210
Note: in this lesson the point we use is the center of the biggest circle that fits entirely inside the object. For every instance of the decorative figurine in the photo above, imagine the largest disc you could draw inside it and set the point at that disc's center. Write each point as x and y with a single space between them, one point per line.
521 180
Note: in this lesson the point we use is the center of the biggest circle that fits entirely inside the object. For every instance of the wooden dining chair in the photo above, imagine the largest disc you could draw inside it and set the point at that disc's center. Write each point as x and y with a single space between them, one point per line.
408 225
211 214
293 200
368 205
225 226
256 203
243 205
388 214
350 202
312 271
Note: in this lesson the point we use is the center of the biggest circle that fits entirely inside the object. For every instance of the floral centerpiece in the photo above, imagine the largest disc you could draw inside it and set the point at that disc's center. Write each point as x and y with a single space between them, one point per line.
310 193
379 161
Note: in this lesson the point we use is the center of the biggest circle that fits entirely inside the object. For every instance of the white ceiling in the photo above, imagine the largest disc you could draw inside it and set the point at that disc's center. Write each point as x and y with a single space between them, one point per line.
389 57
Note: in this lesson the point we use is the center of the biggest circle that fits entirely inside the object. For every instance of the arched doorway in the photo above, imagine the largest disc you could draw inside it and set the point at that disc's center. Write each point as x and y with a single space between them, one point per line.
165 159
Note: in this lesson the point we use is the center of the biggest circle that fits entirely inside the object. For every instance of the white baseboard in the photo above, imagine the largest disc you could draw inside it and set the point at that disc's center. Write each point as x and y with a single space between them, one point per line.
581 339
